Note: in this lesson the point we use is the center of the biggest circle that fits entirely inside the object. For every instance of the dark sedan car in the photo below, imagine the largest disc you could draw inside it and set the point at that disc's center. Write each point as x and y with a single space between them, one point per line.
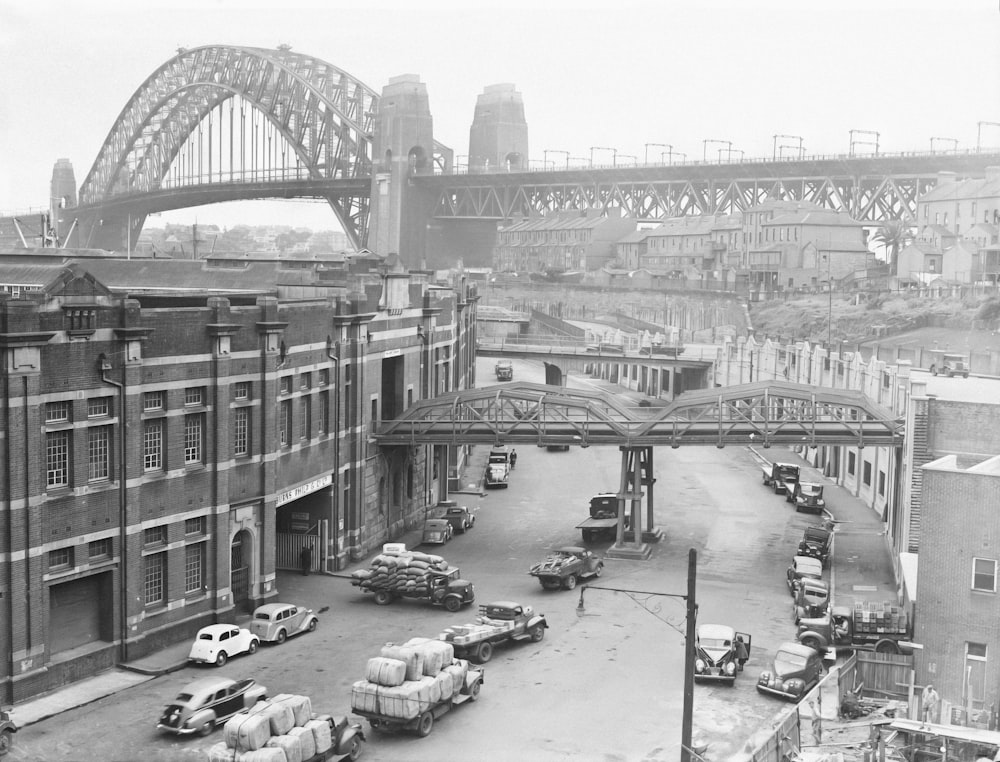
206 703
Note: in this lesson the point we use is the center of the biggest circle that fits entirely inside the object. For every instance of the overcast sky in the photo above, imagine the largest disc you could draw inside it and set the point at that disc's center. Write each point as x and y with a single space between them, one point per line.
618 74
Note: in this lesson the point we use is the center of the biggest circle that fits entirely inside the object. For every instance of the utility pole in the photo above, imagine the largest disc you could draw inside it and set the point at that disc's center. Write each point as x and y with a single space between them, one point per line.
692 614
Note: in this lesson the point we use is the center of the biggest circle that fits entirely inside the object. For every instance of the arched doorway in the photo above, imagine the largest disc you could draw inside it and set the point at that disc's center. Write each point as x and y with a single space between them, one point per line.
240 561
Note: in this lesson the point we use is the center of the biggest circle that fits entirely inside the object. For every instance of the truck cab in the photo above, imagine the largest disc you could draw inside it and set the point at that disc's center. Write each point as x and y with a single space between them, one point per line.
816 543
807 496
450 590
504 370
812 599
779 476
950 364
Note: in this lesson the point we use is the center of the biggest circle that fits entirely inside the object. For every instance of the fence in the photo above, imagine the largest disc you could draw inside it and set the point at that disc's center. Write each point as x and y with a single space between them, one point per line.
288 548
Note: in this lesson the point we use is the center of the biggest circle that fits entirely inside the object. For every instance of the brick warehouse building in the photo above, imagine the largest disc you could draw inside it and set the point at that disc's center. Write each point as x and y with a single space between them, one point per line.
164 449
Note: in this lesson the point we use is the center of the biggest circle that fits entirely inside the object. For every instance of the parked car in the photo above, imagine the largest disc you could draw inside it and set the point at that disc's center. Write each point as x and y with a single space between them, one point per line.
795 671
807 497
7 730
273 622
816 542
718 653
802 566
436 532
208 702
812 599
218 643
460 518
496 475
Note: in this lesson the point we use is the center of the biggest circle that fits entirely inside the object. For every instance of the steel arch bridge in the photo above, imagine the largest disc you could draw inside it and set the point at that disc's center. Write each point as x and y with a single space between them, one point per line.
763 413
321 112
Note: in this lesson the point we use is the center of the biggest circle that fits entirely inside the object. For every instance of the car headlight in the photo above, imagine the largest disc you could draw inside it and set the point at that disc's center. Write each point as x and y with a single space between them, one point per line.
793 686
764 679
730 668
699 665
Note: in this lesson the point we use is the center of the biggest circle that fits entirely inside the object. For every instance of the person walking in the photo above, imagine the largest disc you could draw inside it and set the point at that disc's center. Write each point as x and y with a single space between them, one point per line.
305 558
513 459
929 704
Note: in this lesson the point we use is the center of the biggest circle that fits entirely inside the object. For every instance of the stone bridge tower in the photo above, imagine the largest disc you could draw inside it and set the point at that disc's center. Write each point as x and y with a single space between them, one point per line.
498 138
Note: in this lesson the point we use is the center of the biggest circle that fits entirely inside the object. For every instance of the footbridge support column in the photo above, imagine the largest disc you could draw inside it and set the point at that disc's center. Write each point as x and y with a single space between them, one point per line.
636 482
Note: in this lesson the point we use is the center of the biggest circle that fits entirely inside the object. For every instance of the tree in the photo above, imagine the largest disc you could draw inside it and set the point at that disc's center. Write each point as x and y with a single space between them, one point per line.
892 234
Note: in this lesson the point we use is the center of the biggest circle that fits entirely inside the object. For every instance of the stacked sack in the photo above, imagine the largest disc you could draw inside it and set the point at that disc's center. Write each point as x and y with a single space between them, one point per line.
406 680
404 572
283 729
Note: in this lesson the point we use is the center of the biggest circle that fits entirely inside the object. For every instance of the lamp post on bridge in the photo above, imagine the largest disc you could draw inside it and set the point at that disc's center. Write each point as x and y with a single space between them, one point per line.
979 131
614 153
658 145
729 154
671 154
776 153
855 142
547 151
704 146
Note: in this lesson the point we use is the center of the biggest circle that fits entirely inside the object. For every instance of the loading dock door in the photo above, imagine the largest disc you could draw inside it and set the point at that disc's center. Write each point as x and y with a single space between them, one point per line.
75 612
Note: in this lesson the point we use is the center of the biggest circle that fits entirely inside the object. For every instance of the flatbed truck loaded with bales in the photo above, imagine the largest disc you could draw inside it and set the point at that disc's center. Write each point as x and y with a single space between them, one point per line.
868 626
497 623
398 573
780 477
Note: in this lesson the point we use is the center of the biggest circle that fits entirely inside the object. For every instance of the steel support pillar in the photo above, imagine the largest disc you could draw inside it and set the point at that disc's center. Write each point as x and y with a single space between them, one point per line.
632 544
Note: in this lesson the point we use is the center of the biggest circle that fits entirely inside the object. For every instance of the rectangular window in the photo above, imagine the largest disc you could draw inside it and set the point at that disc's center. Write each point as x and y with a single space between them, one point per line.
194 526
194 395
155 535
305 381
974 684
153 401
194 561
851 460
984 575
881 483
324 376
241 431
324 413
99 549
98 453
57 459
99 407
241 390
285 385
285 423
867 473
152 445
61 558
193 438
154 579
57 412
305 420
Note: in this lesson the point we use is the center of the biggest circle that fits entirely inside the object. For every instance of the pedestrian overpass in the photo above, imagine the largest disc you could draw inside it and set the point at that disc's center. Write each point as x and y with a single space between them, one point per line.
763 413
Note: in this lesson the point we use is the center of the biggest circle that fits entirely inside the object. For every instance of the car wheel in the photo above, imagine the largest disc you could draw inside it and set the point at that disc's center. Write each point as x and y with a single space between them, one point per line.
354 753
221 659
484 653
207 728
253 647
280 637
425 724
570 582
5 742
599 570
312 625
452 604
536 633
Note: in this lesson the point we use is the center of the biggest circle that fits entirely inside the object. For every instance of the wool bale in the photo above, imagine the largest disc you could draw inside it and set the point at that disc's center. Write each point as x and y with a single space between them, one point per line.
291 745
436 654
364 696
279 715
220 752
458 670
306 740
322 734
301 706
389 672
411 657
247 732
400 702
430 690
265 754
446 686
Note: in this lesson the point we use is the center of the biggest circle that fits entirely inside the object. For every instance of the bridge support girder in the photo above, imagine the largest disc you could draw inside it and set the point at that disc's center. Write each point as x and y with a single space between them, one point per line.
637 482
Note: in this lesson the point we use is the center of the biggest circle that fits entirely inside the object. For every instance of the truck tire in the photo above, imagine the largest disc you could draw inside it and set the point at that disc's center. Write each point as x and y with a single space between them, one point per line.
811 641
452 604
425 724
383 597
886 647
485 652
354 753
474 690
570 582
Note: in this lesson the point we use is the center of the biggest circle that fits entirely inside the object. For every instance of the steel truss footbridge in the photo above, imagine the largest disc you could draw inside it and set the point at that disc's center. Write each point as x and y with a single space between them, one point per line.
223 123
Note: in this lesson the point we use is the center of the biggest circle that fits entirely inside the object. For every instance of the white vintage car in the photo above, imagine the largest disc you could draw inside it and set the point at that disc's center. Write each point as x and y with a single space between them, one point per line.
273 622
217 643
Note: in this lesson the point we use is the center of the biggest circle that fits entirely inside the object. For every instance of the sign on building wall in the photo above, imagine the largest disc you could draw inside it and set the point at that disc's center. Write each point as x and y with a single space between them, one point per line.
304 489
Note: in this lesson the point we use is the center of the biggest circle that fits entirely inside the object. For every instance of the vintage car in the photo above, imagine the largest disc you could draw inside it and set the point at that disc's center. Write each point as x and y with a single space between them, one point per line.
218 643
951 365
273 622
816 543
496 475
806 496
460 518
7 730
718 653
207 703
812 599
436 532
566 566
802 566
504 370
796 669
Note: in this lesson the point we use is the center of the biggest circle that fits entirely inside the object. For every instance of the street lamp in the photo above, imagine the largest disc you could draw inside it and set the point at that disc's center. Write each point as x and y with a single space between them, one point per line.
658 145
953 141
855 142
546 152
979 131
775 153
704 146
729 154
614 153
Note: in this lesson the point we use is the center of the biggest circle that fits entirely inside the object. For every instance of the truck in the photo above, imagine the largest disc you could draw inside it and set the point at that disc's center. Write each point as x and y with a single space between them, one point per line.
397 573
498 465
565 567
497 623
504 370
868 626
817 542
779 476
603 520
806 496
